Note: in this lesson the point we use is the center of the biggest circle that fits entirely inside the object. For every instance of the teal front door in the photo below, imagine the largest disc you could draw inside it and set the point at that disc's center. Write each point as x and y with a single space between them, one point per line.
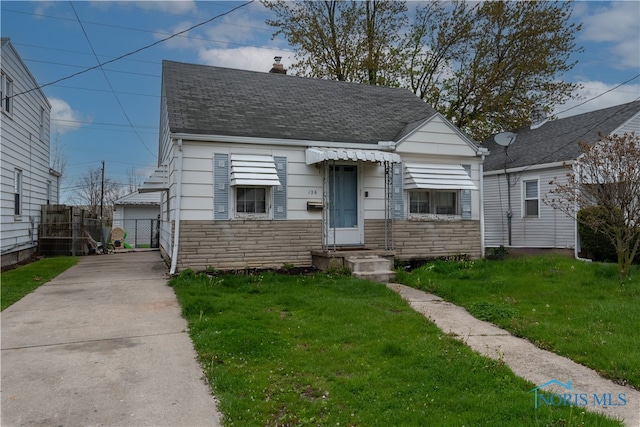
344 217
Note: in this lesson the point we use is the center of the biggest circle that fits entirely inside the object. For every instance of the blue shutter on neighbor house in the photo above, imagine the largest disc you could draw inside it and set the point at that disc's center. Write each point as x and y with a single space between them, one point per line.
465 197
221 186
280 191
397 199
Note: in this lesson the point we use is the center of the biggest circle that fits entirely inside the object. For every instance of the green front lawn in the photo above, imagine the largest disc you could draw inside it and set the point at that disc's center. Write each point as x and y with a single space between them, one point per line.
326 350
19 282
579 310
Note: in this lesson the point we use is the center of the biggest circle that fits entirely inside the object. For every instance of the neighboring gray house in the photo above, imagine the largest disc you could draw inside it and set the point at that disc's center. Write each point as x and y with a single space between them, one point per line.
138 214
28 182
538 156
262 169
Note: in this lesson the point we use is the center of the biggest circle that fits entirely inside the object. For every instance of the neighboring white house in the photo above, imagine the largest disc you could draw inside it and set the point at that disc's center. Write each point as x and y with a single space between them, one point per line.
138 214
538 156
261 169
28 182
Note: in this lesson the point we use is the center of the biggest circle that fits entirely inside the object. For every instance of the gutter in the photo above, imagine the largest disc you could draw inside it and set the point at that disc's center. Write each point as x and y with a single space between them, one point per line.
385 146
176 236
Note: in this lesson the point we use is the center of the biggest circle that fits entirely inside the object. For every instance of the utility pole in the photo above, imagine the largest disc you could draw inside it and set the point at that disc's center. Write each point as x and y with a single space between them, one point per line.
102 192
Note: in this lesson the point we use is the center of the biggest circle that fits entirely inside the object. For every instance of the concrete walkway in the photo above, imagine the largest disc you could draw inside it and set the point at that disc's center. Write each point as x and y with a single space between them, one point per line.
102 344
525 359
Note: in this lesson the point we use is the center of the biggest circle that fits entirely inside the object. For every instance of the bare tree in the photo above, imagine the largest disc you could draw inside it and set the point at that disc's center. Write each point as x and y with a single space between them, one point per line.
606 174
90 192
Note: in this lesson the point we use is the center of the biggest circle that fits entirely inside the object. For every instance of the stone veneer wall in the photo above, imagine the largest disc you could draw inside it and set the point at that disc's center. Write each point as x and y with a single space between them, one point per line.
427 239
227 245
240 244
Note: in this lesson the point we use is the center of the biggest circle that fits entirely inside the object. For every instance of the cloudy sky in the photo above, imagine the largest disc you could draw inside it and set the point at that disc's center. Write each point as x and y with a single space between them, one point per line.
114 115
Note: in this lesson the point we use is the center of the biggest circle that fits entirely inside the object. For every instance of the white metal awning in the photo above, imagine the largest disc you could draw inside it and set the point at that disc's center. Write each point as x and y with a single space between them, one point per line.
253 170
437 177
318 155
158 181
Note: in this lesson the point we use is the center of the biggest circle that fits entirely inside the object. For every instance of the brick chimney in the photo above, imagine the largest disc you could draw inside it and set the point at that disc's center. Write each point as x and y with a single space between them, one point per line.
278 68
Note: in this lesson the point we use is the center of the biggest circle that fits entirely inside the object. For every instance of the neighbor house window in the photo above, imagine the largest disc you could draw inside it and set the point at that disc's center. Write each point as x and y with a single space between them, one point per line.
41 124
17 191
251 200
6 93
433 202
48 192
531 198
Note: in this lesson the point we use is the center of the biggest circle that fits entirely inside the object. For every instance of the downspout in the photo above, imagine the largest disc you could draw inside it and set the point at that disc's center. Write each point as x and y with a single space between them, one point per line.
176 234
482 244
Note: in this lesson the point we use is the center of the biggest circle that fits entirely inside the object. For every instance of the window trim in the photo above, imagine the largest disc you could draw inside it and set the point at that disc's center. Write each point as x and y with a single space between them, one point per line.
433 204
6 94
18 179
268 194
42 132
525 199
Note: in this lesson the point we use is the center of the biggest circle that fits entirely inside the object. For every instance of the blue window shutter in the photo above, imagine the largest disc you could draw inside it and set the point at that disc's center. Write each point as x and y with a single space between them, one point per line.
466 197
397 197
280 191
220 186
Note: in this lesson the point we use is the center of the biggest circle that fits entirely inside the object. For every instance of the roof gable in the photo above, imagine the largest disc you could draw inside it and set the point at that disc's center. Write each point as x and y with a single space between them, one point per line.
435 135
209 100
137 198
557 140
5 43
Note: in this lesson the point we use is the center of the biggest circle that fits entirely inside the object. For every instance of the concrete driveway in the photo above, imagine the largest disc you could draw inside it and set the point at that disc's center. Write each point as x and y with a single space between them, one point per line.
103 344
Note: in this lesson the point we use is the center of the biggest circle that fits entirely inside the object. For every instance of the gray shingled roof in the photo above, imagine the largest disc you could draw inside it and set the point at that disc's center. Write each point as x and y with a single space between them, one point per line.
557 140
221 101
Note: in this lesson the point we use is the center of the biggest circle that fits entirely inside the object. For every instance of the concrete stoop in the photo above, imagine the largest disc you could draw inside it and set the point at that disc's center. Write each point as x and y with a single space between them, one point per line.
372 268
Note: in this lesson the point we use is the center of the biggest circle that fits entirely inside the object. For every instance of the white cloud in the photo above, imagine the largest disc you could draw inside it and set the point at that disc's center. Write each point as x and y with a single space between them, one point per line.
617 25
591 89
177 7
245 58
64 119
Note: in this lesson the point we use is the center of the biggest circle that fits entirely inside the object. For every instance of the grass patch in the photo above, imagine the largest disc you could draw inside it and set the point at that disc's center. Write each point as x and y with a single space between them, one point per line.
579 310
326 349
19 282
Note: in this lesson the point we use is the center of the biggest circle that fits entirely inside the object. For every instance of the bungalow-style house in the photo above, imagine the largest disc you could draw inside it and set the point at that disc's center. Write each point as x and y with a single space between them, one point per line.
28 182
264 169
138 214
517 177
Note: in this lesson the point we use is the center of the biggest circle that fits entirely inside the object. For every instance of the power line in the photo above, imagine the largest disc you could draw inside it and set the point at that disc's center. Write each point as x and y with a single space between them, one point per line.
136 50
599 95
110 86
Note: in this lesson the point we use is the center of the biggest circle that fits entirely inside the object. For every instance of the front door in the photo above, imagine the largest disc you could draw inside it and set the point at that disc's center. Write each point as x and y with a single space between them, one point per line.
344 216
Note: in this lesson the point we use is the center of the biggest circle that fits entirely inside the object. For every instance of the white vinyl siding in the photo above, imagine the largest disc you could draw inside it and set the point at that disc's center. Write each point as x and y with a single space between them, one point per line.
553 229
23 150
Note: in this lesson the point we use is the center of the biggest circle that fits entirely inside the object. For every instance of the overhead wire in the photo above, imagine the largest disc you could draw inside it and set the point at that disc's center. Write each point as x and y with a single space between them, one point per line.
133 52
109 81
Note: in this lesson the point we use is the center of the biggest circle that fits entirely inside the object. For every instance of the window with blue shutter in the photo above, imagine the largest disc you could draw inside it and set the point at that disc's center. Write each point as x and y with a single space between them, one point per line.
221 186
397 199
466 197
280 191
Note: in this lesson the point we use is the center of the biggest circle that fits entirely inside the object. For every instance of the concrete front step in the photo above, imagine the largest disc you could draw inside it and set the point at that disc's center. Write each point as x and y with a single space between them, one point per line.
372 268
368 264
382 276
